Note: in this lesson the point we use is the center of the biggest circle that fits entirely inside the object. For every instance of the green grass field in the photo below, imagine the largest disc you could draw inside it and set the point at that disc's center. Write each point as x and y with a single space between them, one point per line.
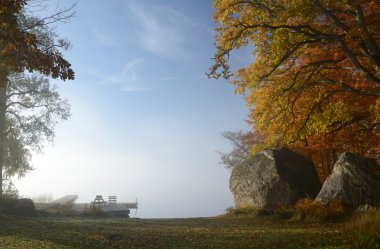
219 232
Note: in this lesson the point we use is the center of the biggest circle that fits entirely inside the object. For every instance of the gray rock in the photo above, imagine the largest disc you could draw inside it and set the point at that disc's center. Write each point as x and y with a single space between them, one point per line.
273 178
353 181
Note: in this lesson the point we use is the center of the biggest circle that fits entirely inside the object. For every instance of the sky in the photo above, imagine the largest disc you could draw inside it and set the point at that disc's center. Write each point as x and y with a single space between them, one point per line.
146 120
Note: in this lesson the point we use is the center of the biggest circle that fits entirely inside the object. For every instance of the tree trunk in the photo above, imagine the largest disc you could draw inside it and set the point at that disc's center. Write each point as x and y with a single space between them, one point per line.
3 101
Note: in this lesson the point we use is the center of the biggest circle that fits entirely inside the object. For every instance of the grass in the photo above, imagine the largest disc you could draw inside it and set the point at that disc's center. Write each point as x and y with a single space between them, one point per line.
364 229
218 232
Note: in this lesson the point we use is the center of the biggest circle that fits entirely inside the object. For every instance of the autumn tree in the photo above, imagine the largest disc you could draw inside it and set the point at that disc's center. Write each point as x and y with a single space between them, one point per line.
315 83
241 143
27 44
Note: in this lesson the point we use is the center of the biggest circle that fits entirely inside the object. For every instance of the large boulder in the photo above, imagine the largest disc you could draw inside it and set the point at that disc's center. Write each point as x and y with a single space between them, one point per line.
353 181
273 178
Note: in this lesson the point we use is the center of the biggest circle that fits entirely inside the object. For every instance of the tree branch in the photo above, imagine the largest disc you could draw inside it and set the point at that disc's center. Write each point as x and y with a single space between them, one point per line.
287 55
349 88
18 119
22 93
60 16
368 41
26 106
328 13
254 4
356 64
315 106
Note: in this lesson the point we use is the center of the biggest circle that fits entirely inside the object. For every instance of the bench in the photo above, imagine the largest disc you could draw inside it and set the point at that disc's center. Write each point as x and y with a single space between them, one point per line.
112 199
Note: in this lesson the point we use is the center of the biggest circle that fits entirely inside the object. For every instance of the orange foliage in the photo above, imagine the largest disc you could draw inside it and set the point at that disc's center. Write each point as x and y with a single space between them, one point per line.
20 49
315 83
307 208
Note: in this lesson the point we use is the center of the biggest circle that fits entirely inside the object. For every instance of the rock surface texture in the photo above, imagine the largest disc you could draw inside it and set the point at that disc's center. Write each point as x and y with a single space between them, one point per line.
353 181
273 178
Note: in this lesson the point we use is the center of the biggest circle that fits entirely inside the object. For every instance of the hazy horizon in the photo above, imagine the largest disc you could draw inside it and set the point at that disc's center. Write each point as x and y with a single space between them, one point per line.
146 121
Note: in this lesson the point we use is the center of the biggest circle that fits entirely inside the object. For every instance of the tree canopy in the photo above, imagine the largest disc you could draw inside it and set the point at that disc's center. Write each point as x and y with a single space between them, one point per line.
33 108
25 45
29 106
315 82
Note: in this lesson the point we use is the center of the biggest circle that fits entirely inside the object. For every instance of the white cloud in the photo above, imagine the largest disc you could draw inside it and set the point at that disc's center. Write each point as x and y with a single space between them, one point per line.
127 78
164 30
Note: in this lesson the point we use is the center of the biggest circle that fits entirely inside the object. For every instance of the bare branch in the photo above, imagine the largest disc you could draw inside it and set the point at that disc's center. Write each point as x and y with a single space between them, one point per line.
60 16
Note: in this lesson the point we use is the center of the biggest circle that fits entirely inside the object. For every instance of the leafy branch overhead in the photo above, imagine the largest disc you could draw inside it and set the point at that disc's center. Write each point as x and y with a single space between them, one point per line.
27 44
315 82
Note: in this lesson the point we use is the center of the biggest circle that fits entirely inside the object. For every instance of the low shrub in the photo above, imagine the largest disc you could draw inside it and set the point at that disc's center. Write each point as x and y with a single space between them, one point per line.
334 210
65 210
241 211
307 208
93 211
284 212
13 206
280 212
363 230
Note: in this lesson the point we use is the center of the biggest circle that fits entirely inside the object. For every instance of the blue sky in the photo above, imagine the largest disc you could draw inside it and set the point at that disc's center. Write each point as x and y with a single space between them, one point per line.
146 121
